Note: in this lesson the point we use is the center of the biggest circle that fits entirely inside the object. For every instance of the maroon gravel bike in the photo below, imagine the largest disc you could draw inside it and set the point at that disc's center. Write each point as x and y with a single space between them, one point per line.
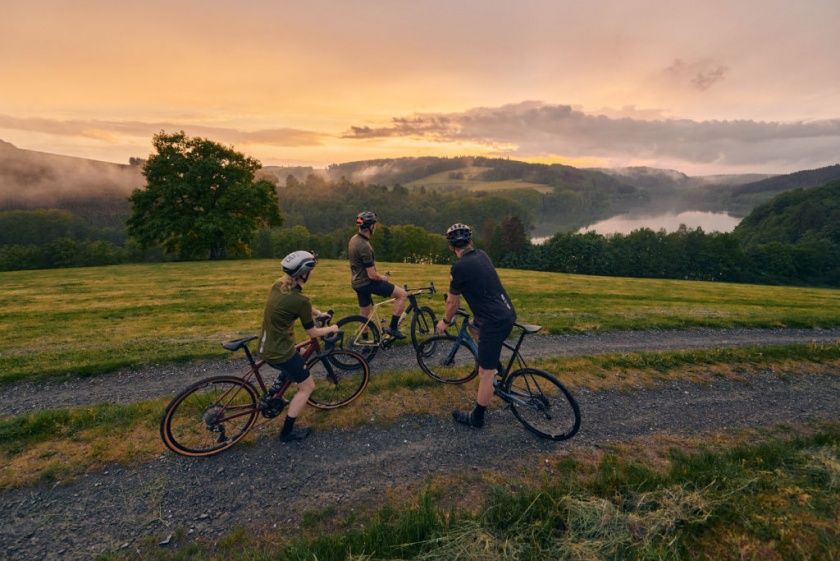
215 413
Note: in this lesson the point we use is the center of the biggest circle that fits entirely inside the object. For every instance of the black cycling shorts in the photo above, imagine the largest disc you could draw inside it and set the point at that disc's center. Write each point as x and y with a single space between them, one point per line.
293 368
378 287
491 337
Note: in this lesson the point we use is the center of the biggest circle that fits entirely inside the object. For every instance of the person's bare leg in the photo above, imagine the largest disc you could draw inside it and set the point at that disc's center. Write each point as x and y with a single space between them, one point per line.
475 418
304 390
400 296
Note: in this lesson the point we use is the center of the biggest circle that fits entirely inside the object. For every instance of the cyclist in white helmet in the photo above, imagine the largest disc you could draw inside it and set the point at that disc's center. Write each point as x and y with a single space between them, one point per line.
286 304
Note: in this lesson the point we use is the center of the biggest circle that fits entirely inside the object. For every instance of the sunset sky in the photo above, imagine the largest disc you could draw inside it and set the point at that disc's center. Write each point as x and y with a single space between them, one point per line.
703 87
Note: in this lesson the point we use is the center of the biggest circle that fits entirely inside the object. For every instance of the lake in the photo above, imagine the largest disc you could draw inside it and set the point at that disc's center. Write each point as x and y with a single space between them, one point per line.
668 221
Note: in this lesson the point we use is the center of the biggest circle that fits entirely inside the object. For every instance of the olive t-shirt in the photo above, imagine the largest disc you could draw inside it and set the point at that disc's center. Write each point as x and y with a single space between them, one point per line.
360 254
277 343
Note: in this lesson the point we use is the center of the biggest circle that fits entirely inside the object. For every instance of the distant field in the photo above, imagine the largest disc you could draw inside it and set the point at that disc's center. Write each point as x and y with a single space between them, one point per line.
471 181
91 320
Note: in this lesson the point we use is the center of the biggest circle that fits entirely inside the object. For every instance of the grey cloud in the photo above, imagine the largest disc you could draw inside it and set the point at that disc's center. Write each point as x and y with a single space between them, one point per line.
537 128
111 130
702 75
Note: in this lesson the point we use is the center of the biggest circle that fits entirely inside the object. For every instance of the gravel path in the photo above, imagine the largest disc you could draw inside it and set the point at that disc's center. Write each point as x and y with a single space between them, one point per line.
270 483
156 380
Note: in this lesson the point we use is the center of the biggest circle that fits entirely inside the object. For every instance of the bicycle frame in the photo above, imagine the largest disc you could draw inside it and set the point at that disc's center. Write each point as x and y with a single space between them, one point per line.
305 348
465 336
411 308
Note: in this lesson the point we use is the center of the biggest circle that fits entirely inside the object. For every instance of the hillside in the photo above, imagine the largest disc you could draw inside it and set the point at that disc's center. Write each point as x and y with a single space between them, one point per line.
795 216
91 189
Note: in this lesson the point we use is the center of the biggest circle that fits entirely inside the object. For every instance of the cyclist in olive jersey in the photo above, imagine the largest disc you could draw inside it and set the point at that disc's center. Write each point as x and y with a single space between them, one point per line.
286 304
474 276
365 280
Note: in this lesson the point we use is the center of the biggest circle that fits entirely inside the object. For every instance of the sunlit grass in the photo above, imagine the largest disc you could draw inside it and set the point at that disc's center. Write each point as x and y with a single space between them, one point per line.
91 320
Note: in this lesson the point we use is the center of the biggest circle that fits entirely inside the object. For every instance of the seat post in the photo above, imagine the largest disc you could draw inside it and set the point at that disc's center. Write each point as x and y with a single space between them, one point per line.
515 352
249 355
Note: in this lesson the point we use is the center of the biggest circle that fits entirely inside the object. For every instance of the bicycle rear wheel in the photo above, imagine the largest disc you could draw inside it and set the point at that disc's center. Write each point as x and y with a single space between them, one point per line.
340 377
447 359
359 339
422 325
542 404
209 416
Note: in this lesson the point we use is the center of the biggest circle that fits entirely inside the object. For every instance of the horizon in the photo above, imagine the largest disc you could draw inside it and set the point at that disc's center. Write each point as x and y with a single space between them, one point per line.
702 89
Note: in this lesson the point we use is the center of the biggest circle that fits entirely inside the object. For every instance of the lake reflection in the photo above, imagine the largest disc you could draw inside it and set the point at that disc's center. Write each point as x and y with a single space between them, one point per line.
668 221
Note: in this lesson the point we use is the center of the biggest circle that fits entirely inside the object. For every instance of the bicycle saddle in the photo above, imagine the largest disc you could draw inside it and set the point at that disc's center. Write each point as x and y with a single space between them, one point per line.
237 344
528 328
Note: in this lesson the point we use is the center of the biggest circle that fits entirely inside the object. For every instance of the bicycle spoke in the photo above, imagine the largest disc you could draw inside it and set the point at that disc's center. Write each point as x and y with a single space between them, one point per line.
209 416
447 359
340 377
542 404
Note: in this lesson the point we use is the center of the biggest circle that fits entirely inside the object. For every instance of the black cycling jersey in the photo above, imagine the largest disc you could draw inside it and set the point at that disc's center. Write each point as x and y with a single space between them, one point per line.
475 277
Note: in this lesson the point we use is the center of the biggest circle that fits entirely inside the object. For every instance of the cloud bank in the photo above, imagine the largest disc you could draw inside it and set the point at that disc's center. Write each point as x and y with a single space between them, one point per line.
534 128
111 131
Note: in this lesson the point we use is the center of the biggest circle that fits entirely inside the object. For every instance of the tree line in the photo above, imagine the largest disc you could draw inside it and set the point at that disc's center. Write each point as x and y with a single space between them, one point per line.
202 201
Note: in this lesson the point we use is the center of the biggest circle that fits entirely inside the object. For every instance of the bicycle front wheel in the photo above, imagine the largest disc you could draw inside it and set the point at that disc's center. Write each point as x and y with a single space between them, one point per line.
209 416
422 326
542 404
360 336
340 377
447 359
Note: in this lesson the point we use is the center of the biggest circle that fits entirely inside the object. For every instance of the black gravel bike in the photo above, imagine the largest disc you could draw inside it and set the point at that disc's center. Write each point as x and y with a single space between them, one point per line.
535 397
365 335
215 413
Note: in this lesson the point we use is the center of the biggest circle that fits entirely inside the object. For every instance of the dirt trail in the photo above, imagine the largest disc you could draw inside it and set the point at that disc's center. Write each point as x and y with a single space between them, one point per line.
270 483
156 380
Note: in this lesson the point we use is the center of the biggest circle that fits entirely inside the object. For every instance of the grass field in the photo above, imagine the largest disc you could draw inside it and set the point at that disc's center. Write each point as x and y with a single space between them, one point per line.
92 320
472 182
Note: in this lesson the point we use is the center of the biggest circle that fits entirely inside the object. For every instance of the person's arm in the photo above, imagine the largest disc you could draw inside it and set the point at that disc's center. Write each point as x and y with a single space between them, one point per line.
453 301
373 275
306 315
321 331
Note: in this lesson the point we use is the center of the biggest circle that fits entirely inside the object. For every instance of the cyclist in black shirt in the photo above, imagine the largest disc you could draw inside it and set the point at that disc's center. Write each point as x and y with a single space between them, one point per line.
474 276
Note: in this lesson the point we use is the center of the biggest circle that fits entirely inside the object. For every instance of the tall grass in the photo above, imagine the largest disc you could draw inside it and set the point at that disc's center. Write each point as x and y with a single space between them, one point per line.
772 500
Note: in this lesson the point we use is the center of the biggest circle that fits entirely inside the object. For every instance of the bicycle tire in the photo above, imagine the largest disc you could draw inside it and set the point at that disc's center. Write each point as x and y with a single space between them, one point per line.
447 359
337 385
191 421
422 326
539 396
355 341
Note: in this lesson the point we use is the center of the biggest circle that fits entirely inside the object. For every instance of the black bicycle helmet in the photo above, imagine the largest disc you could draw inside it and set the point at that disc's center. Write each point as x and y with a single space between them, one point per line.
299 263
366 219
459 235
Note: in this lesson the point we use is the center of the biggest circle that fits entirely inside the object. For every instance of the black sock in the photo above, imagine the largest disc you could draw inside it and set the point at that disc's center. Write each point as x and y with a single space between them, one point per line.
477 415
394 321
288 425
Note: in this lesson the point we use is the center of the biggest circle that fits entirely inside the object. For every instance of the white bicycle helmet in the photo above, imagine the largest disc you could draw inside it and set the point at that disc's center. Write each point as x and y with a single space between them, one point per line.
299 263
459 235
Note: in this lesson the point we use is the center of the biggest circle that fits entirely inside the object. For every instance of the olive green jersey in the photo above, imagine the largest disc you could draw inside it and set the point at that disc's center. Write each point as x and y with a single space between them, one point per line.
360 254
277 342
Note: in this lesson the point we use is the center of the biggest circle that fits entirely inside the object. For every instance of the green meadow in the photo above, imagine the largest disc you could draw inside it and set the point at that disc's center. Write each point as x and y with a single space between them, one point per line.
92 320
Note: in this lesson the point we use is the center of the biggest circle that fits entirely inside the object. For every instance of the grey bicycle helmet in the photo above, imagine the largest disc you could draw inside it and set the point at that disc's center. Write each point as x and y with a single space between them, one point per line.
459 235
366 219
299 263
